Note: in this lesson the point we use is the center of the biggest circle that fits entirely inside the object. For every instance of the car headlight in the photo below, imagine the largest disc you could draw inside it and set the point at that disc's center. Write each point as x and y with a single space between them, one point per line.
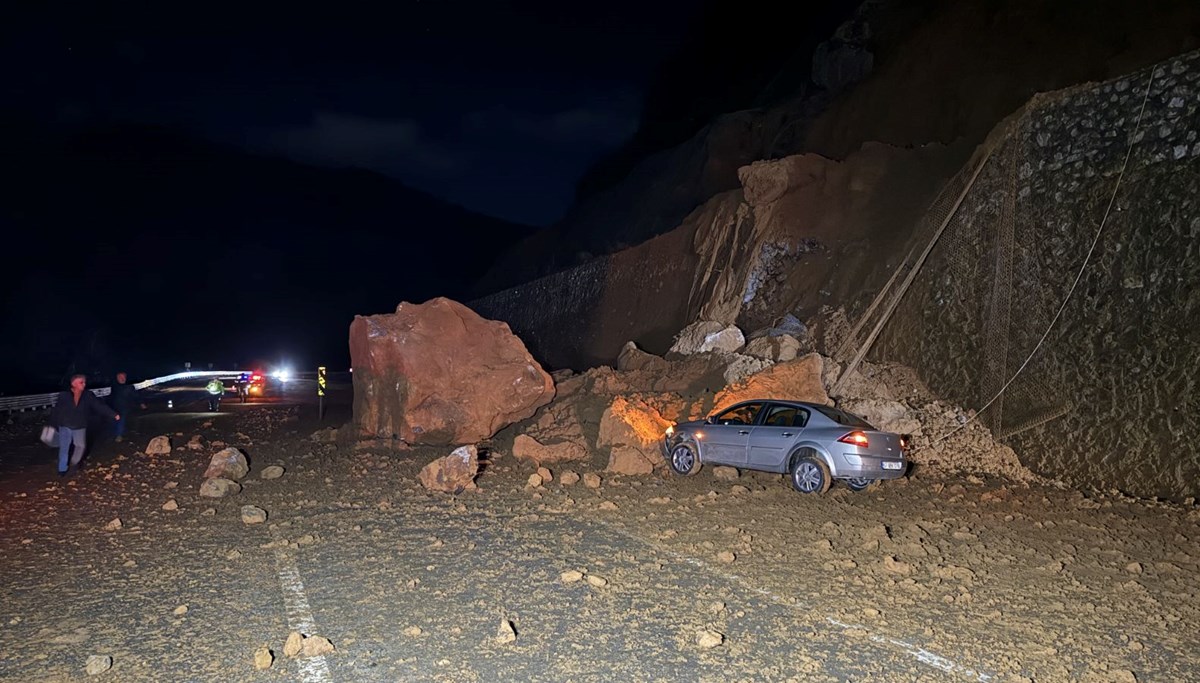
670 431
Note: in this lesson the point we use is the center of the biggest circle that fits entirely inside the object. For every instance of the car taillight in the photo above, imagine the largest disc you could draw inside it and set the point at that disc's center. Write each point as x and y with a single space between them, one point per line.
856 439
905 439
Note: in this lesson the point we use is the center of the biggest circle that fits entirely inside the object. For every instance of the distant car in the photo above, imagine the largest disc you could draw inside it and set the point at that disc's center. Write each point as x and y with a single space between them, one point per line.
251 384
813 443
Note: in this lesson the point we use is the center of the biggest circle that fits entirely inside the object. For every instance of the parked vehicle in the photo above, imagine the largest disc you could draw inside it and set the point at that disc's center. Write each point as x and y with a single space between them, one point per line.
813 443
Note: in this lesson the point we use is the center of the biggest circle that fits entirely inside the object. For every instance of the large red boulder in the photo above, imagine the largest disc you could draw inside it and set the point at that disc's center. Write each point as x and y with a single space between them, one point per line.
437 373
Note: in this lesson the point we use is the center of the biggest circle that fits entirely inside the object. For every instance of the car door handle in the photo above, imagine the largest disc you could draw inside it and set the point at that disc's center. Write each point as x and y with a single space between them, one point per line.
786 434
743 431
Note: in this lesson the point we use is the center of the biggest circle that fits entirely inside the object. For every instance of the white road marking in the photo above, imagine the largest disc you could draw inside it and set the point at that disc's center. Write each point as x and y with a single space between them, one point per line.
300 617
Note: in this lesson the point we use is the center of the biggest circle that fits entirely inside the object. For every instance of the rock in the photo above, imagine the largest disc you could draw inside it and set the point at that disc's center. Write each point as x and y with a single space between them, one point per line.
227 464
534 481
413 631
628 460
159 445
1132 567
888 415
196 443
741 367
219 488
568 478
437 373
707 335
571 576
114 525
725 473
252 514
263 658
316 646
98 664
632 430
327 435
607 505
545 474
180 611
170 505
453 473
726 557
708 639
526 447
591 480
271 472
798 380
507 633
294 644
777 349
891 564
632 358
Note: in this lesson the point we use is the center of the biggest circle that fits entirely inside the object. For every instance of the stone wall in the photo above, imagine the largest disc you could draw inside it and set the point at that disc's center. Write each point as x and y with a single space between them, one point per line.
1116 380
580 318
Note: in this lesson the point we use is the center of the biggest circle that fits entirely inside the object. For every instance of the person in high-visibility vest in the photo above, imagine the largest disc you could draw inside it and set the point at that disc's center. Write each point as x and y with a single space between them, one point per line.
216 389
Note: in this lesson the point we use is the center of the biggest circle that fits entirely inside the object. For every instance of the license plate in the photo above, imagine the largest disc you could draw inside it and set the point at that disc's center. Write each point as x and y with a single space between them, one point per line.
892 465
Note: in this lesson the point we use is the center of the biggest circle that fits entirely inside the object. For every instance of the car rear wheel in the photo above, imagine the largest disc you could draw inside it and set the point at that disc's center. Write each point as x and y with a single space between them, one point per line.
683 460
810 475
860 483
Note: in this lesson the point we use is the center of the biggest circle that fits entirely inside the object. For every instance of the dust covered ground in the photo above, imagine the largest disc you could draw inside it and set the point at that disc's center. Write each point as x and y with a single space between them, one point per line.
938 577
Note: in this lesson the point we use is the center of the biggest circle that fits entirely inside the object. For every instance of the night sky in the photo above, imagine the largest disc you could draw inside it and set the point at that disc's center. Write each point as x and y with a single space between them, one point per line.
166 208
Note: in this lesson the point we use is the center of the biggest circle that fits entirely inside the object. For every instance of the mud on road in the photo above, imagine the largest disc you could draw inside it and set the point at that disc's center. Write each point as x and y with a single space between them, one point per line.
933 578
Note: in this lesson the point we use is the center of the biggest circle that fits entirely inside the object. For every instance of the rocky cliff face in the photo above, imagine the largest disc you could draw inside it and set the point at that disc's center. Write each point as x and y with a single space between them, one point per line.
1109 399
906 73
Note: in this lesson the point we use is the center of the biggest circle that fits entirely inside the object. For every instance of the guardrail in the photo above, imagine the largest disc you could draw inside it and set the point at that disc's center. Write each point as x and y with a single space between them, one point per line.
15 404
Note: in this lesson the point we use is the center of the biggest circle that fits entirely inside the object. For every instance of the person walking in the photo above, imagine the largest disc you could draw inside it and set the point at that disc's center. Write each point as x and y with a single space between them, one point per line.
122 399
70 417
215 388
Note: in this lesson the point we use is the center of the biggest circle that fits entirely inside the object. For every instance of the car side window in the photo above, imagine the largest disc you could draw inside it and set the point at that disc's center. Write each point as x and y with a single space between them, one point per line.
786 416
739 415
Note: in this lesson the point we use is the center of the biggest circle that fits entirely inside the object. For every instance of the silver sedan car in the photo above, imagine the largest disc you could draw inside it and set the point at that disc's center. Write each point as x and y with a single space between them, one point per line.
813 443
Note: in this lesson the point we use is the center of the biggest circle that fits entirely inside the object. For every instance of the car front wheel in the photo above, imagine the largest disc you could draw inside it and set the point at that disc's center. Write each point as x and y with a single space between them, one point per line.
810 475
683 460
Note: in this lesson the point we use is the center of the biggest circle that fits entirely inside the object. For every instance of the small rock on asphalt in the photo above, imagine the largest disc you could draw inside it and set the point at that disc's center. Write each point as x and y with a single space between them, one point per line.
597 581
180 611
114 525
219 488
726 557
263 658
271 472
159 445
227 464
535 480
506 633
568 478
709 639
413 631
170 505
252 514
545 474
294 644
316 646
608 505
98 664
591 480
571 576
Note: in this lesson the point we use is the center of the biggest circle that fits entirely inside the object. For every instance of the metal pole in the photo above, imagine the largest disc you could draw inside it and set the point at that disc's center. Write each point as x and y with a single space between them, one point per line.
321 393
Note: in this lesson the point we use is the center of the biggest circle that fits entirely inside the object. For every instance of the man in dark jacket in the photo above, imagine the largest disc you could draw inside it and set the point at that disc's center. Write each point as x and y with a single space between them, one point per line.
70 416
121 399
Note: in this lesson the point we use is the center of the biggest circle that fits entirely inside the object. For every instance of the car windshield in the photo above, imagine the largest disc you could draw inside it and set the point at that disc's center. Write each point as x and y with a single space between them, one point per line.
843 418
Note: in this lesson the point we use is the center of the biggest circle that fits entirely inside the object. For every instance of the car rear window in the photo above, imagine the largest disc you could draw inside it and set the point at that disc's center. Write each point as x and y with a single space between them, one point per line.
843 418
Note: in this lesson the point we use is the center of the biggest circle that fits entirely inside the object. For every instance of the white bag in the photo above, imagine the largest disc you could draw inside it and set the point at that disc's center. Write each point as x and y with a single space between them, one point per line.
50 436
